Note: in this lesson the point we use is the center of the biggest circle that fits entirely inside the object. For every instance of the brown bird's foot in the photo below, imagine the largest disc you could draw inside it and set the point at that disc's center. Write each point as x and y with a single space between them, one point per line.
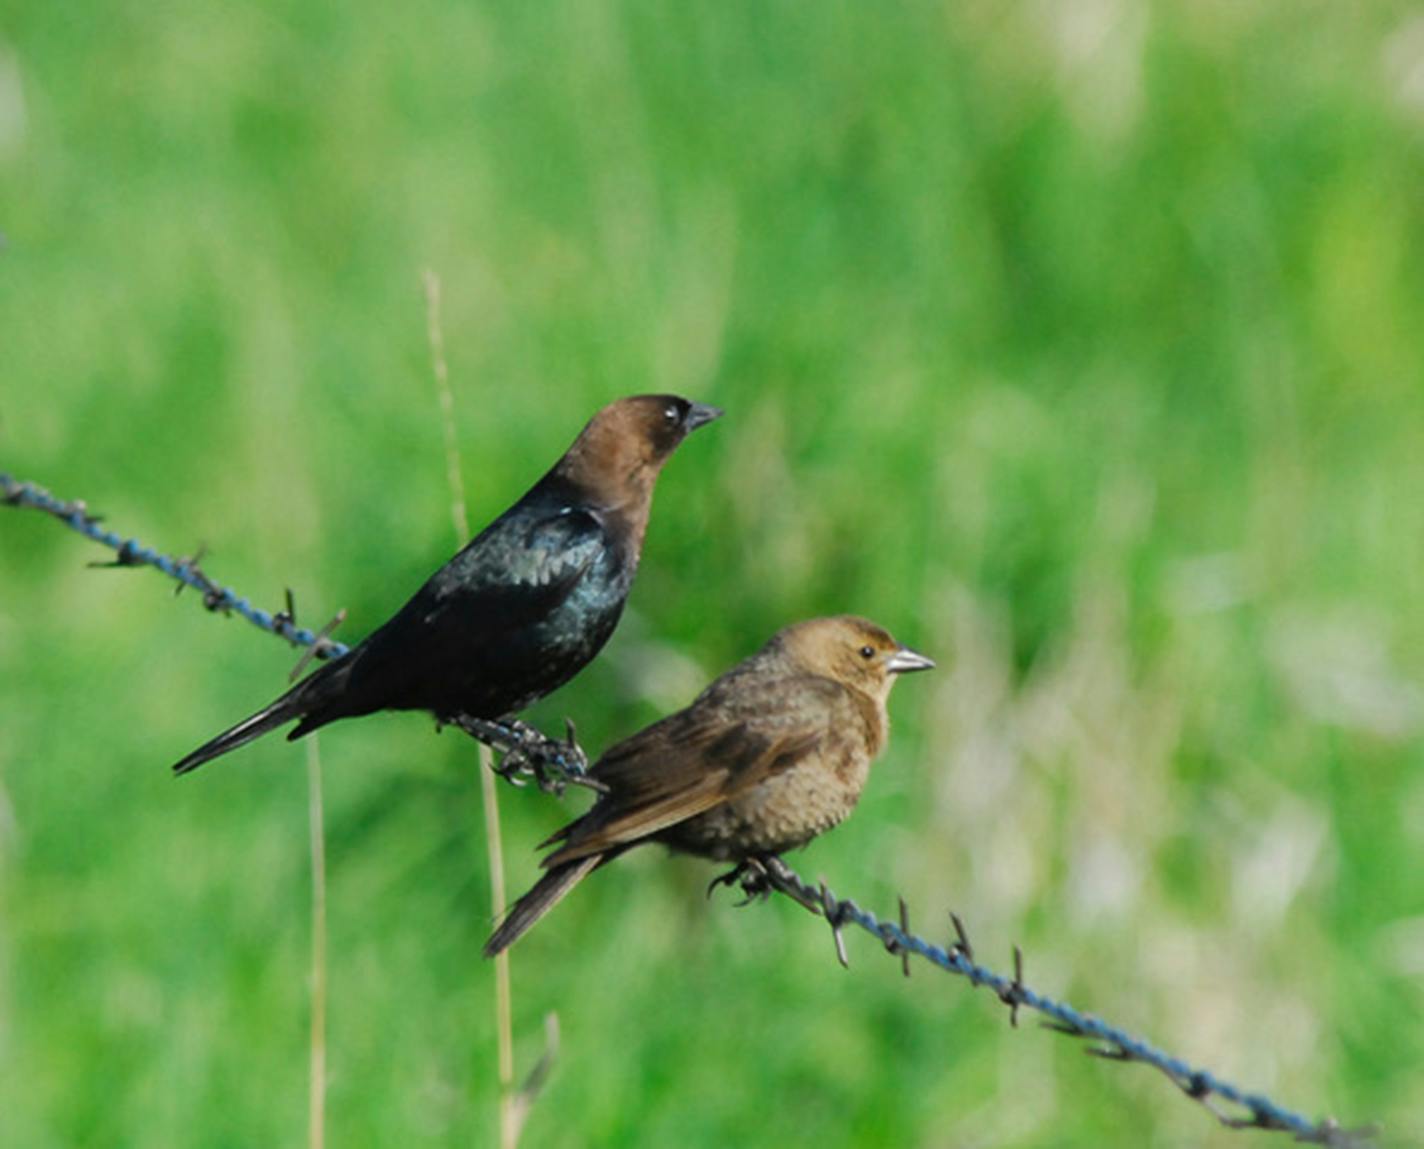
526 753
751 874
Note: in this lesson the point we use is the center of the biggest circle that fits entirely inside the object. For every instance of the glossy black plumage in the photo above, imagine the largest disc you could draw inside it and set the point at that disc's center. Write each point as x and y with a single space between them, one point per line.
521 608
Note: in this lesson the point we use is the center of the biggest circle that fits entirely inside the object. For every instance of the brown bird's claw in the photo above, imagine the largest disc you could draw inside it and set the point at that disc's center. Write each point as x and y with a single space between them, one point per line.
751 875
528 754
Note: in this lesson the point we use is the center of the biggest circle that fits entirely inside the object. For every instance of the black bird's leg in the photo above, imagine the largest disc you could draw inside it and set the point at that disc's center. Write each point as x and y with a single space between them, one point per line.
751 874
526 753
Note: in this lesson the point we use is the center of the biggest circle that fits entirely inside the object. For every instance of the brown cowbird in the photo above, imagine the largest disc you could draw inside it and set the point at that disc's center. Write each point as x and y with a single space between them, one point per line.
770 755
522 608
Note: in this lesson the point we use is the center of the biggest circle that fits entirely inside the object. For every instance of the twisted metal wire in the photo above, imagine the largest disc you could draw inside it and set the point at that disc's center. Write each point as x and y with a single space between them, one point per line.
1255 1111
131 553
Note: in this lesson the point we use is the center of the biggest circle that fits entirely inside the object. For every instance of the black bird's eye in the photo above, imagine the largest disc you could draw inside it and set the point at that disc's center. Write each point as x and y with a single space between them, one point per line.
867 652
671 415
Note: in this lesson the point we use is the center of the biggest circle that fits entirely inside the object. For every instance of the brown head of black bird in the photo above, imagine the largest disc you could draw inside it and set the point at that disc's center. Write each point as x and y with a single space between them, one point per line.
615 462
522 607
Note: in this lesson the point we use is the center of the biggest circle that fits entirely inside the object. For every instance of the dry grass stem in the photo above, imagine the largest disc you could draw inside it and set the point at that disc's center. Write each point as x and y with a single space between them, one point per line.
316 1101
510 1120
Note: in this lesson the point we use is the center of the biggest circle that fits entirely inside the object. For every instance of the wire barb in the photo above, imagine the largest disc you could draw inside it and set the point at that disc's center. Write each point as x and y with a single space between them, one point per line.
833 911
961 945
1256 1111
287 616
1012 996
894 946
321 642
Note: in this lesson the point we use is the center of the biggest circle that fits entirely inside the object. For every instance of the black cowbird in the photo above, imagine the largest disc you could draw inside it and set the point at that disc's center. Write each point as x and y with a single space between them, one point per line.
521 609
770 755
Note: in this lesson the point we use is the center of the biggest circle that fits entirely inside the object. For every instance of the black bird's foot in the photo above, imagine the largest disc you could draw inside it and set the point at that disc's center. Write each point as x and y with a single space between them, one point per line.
751 875
553 763
528 754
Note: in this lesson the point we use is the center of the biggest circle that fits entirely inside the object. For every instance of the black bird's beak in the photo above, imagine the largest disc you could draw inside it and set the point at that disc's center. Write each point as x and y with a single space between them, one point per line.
699 415
905 660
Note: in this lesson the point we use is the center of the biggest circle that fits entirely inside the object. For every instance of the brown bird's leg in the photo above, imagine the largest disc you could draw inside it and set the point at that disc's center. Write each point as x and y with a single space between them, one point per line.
527 753
751 874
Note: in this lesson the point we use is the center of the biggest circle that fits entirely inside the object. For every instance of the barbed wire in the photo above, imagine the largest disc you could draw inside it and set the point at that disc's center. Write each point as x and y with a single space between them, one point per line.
75 514
1256 1111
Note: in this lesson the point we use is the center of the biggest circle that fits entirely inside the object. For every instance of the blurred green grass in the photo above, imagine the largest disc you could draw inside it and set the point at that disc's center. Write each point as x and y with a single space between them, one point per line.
1080 345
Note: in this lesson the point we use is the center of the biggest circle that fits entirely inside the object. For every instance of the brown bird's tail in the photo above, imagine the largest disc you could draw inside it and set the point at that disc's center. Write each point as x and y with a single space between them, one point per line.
547 893
301 701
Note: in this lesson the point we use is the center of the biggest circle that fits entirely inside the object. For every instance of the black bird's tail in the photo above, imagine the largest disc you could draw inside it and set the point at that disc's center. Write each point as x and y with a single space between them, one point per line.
301 701
547 893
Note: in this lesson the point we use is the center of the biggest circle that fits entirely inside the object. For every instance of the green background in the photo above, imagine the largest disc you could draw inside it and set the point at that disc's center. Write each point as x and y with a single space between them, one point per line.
1079 344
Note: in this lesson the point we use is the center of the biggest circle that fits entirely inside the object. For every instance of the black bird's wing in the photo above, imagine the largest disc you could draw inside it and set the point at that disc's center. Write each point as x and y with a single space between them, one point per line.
723 745
472 618
530 560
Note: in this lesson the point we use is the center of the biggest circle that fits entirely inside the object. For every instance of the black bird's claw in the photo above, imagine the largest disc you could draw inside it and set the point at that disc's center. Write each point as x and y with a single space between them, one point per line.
514 768
527 754
553 763
751 875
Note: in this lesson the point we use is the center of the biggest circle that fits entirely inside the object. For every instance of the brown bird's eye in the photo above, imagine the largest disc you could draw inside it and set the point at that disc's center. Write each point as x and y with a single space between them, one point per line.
867 652
671 414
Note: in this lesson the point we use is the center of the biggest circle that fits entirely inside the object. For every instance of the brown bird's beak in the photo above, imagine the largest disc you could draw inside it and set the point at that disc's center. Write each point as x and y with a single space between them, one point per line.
905 660
699 415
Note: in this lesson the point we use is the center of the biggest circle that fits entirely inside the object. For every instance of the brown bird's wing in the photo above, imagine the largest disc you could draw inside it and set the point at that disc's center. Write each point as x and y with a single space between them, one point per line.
735 736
